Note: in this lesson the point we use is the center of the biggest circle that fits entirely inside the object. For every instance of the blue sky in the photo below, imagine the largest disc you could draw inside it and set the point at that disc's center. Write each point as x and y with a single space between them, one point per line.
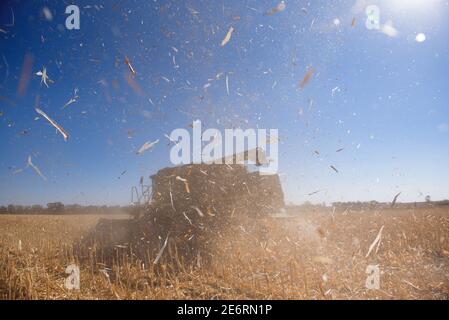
389 110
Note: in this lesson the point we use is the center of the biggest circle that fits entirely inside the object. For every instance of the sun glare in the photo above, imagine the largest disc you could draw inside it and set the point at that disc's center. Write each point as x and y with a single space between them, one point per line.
413 5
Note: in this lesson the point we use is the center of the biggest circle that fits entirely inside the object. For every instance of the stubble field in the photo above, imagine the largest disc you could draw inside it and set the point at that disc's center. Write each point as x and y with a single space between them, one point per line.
316 255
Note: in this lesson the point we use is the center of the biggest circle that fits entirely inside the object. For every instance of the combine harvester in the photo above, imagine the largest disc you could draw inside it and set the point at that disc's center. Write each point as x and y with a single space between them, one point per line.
187 210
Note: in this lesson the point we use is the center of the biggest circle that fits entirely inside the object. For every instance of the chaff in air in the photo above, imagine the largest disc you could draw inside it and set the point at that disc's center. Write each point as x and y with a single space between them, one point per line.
227 37
375 242
44 76
130 66
72 100
333 168
306 78
146 146
395 199
32 165
279 8
54 124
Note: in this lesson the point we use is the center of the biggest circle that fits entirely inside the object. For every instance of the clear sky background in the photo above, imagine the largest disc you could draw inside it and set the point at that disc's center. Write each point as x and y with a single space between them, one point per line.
382 98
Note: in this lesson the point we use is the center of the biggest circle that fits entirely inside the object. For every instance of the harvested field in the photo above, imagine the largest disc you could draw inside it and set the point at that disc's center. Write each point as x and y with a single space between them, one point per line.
319 255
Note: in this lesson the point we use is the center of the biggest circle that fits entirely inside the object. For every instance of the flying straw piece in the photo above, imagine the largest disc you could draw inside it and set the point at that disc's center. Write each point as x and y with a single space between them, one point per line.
306 78
190 221
333 168
339 150
279 8
193 11
53 123
311 24
228 37
198 210
44 76
171 140
227 84
180 179
186 183
146 146
105 273
72 100
389 30
209 212
123 174
7 67
159 255
13 18
130 67
198 260
411 284
171 198
395 199
17 171
30 164
376 241
312 193
334 90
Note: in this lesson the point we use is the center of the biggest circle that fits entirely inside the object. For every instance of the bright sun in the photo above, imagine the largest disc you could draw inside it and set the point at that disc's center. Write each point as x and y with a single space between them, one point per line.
412 4
413 13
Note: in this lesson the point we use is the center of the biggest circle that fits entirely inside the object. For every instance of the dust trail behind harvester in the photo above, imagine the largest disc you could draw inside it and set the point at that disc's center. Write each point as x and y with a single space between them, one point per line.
191 210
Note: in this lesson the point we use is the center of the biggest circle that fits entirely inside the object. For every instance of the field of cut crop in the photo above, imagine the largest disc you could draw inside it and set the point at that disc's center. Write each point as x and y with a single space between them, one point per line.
316 255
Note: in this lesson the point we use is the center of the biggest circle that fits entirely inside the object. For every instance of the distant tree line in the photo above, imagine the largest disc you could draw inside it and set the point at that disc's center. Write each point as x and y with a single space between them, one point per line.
363 205
383 205
60 208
